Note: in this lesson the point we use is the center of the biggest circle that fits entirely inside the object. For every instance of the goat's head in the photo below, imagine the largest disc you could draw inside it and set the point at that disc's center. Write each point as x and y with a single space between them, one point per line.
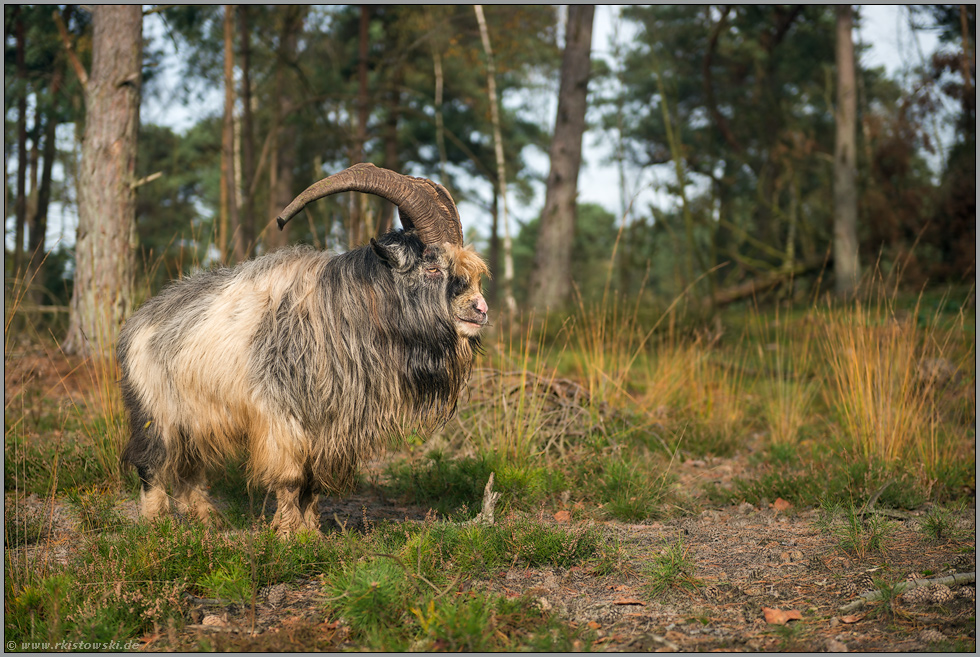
427 209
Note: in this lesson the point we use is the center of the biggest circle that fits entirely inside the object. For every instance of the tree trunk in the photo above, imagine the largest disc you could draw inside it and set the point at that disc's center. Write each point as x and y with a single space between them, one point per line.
105 244
846 266
551 276
20 205
391 161
248 136
508 282
966 59
284 155
358 202
232 244
39 222
32 159
440 128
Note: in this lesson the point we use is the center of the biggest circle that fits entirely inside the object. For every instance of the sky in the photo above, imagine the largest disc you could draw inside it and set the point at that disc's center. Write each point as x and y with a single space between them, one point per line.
885 28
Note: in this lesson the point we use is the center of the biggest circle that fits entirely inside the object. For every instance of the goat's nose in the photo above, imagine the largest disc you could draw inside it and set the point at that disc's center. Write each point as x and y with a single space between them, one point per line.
480 304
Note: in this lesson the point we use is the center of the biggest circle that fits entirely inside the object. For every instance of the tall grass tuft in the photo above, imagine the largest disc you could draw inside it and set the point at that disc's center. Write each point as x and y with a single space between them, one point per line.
891 375
691 389
510 409
101 415
785 352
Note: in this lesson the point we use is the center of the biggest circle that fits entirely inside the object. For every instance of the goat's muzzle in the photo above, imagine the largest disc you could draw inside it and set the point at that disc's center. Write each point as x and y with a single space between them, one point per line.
473 317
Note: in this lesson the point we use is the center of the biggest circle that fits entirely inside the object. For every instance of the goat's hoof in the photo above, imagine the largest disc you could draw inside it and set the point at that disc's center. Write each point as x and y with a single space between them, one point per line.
302 533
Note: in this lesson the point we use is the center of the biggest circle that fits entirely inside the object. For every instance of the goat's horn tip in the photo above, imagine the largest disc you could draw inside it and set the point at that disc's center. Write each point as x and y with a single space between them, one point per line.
280 222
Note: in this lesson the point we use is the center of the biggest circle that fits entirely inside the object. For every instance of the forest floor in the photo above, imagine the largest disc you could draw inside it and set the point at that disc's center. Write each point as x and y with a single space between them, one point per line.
743 561
765 577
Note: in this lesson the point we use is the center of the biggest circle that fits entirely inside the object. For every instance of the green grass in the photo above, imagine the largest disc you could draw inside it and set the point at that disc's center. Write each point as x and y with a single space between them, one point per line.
22 526
940 523
408 596
806 479
120 585
232 582
630 487
95 508
856 533
670 569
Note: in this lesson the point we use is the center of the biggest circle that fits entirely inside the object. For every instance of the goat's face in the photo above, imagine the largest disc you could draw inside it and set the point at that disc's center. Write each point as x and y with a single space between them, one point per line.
452 272
463 270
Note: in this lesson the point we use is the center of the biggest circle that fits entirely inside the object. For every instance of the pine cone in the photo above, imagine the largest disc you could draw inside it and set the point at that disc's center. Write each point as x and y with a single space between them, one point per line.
711 592
967 593
213 620
931 636
940 593
965 563
277 595
864 582
917 595
913 576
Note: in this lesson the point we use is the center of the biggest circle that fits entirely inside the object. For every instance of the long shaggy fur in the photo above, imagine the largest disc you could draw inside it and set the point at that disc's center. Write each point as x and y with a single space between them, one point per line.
307 362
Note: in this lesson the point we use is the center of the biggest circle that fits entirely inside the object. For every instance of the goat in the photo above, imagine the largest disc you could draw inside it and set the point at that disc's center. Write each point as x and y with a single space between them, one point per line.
307 362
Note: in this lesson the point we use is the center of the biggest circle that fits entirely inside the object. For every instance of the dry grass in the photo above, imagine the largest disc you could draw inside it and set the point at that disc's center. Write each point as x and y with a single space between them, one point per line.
891 378
511 410
785 352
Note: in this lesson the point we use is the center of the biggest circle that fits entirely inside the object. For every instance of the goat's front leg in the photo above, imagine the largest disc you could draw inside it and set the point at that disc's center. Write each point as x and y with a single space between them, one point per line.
296 511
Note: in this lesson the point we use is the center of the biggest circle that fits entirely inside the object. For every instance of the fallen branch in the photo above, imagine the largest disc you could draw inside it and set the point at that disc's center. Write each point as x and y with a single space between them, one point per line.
207 601
764 281
901 587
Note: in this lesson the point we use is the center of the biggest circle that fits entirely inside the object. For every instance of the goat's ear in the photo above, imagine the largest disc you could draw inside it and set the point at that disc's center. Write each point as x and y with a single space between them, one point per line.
384 253
392 255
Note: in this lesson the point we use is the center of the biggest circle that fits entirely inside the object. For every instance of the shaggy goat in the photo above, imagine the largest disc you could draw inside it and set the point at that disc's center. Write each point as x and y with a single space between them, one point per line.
307 362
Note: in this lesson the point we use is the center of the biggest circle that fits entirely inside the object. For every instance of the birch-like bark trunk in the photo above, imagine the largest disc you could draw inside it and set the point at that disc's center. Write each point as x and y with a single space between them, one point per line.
498 144
847 271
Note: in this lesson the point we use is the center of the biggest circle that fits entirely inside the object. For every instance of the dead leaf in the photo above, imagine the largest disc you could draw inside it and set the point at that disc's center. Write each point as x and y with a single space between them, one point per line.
781 505
853 618
594 625
629 601
563 516
780 617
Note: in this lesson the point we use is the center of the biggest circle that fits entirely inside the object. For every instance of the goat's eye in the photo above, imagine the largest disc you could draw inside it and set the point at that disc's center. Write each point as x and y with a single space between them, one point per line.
433 272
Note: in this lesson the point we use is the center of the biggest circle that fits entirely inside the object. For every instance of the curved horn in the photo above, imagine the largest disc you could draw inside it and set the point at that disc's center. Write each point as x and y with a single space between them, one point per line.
423 205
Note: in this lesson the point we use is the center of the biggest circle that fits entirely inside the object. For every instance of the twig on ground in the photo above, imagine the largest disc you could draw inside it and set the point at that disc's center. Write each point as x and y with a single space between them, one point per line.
901 587
490 497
